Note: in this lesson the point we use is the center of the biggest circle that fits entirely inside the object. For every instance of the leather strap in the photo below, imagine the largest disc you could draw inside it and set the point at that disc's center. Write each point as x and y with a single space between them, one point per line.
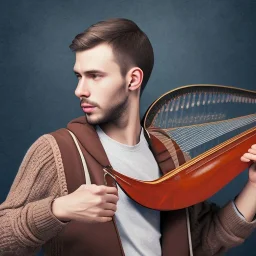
87 175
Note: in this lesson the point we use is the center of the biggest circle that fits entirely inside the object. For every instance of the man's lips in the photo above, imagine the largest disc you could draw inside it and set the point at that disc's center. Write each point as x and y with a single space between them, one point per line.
87 108
84 105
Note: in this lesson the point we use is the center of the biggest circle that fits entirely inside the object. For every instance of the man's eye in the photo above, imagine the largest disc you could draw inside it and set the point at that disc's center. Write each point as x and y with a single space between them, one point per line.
78 77
94 76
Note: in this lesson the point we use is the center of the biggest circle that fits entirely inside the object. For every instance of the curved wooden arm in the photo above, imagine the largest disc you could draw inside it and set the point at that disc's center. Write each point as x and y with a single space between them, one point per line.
192 182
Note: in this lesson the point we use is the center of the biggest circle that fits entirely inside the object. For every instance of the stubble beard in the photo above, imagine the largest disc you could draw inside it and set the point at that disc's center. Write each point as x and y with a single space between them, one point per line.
112 115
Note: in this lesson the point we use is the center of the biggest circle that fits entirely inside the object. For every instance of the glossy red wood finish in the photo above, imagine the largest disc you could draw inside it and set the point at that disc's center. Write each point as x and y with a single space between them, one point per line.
195 183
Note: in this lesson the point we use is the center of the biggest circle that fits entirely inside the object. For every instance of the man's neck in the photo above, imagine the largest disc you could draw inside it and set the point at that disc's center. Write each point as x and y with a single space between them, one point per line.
128 134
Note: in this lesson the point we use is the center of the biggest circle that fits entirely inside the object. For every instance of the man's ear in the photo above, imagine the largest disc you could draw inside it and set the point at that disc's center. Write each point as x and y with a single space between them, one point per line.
136 78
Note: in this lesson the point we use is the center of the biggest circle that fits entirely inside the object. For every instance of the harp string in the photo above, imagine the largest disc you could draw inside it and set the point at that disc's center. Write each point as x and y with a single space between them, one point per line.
202 118
188 138
176 111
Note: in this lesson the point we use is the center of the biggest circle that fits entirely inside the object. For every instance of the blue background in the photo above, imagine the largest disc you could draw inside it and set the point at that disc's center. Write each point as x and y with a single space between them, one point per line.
207 41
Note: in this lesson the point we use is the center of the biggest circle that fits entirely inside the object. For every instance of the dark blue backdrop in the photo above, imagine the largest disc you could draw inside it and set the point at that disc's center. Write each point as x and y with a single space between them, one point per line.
196 41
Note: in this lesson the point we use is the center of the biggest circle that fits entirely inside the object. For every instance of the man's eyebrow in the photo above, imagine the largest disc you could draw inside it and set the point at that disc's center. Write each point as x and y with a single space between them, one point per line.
92 71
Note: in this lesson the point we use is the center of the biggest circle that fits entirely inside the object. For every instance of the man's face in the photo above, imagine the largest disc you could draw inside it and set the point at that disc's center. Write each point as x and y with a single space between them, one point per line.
101 85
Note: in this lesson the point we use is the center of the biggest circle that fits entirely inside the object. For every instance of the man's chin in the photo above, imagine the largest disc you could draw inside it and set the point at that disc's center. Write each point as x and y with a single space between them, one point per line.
92 121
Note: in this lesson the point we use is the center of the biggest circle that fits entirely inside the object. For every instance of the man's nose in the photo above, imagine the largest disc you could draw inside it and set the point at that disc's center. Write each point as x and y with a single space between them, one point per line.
82 90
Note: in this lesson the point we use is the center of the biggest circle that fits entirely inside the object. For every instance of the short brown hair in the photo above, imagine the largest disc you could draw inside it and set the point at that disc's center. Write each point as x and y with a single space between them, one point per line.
129 43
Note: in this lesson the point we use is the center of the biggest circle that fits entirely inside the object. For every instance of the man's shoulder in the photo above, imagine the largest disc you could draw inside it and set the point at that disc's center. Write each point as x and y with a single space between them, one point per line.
47 143
43 147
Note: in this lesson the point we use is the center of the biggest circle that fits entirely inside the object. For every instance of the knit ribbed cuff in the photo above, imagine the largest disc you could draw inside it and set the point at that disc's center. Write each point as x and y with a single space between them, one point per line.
234 223
45 223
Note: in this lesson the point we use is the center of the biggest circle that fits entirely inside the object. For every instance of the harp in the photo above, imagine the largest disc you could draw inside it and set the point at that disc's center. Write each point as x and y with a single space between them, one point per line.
212 126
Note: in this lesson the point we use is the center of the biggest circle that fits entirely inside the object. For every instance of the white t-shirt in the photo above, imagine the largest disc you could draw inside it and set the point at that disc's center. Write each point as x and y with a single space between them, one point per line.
138 226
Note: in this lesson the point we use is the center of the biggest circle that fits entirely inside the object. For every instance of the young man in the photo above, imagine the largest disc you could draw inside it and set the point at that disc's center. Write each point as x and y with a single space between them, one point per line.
114 60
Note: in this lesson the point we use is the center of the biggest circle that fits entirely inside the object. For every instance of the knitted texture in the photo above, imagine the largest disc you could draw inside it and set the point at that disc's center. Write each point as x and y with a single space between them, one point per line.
26 220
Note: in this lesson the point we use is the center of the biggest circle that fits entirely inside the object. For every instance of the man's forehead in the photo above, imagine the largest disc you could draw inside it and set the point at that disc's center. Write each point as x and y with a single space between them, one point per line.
96 57
102 51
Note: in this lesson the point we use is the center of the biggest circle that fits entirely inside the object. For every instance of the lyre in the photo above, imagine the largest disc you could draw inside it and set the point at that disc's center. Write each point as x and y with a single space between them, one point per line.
212 126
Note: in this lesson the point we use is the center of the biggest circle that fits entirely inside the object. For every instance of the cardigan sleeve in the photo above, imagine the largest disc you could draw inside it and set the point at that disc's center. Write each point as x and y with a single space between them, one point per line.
214 230
26 219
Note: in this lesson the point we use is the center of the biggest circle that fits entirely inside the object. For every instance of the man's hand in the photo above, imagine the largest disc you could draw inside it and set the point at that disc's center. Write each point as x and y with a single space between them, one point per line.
246 200
89 203
251 156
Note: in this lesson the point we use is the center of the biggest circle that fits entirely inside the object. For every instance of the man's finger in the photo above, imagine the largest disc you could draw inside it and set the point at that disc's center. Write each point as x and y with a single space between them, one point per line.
106 213
111 198
110 206
111 190
252 151
253 146
104 219
249 156
244 159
